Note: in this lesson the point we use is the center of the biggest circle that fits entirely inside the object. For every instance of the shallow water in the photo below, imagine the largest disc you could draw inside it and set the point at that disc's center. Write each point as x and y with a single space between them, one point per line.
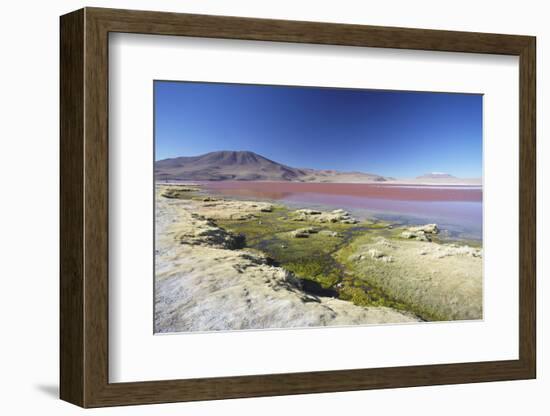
456 209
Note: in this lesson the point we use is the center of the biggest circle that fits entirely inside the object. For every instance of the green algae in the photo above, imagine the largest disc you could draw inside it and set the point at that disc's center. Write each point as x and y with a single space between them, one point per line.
308 258
315 258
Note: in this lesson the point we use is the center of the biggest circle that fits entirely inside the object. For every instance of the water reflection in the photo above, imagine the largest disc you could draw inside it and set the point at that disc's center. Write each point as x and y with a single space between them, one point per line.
456 208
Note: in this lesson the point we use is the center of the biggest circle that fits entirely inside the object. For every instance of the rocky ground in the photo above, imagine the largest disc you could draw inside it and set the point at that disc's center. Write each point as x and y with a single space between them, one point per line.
215 268
205 281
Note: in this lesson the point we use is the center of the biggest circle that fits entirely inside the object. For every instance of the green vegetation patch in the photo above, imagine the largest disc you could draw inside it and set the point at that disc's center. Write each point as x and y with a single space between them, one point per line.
314 257
364 294
308 258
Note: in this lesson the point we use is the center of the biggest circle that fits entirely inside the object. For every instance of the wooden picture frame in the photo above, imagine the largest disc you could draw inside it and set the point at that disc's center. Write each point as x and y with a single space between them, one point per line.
84 207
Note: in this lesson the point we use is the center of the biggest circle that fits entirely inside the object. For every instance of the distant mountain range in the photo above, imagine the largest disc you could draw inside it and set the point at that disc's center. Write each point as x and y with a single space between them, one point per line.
248 166
436 175
440 178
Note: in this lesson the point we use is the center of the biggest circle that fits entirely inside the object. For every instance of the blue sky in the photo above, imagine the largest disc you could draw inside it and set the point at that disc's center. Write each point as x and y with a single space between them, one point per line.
391 133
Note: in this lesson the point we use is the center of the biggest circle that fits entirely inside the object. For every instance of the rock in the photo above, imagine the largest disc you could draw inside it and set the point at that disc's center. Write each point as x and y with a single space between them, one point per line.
176 192
417 235
308 212
428 228
422 236
221 209
375 254
204 232
329 233
408 234
303 232
335 216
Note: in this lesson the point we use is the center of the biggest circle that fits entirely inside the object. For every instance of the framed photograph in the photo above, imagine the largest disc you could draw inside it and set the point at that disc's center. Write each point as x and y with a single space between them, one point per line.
257 207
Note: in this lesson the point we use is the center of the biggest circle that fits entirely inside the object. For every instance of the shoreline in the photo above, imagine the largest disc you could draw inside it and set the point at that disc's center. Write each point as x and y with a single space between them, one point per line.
259 242
394 206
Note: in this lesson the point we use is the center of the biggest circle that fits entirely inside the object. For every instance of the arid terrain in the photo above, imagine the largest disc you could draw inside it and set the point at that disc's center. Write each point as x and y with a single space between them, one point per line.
250 166
227 264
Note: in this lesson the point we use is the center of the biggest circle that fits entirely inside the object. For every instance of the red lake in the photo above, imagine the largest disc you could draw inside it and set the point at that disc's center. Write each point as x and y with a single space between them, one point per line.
456 208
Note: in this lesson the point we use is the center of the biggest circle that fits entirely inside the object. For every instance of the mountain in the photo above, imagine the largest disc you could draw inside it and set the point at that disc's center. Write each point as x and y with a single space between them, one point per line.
247 166
313 175
225 165
436 175
440 178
